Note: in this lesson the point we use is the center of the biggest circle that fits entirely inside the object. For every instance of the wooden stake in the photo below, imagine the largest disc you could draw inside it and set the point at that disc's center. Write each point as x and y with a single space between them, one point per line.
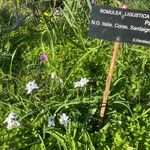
108 81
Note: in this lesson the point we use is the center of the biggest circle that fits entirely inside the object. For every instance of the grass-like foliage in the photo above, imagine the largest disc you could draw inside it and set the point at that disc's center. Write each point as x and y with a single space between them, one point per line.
52 78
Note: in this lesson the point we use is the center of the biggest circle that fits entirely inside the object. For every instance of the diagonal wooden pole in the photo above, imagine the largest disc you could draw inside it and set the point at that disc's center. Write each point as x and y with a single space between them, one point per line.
109 78
108 81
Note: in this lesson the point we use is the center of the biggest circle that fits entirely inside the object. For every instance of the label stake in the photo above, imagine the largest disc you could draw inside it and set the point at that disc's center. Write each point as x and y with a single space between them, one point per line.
108 81
109 78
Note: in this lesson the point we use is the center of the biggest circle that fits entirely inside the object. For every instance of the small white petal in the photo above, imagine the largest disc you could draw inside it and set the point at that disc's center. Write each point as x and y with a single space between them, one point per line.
120 122
16 123
64 116
53 75
63 119
77 84
60 80
84 81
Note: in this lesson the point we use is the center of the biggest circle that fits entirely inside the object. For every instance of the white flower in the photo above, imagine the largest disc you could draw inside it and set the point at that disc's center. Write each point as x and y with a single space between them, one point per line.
31 86
51 121
60 80
81 83
53 75
120 122
63 119
57 12
77 84
11 120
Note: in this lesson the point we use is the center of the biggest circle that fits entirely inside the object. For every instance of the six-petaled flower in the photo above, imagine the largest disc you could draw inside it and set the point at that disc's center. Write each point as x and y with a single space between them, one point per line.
64 119
43 57
53 75
51 121
11 120
31 86
81 83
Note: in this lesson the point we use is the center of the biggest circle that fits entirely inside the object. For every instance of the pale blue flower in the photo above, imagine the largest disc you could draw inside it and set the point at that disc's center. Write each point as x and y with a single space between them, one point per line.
51 121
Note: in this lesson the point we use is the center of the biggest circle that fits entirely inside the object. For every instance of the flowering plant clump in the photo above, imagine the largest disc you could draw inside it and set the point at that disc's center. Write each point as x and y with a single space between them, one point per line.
11 120
53 76
43 57
81 83
31 86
